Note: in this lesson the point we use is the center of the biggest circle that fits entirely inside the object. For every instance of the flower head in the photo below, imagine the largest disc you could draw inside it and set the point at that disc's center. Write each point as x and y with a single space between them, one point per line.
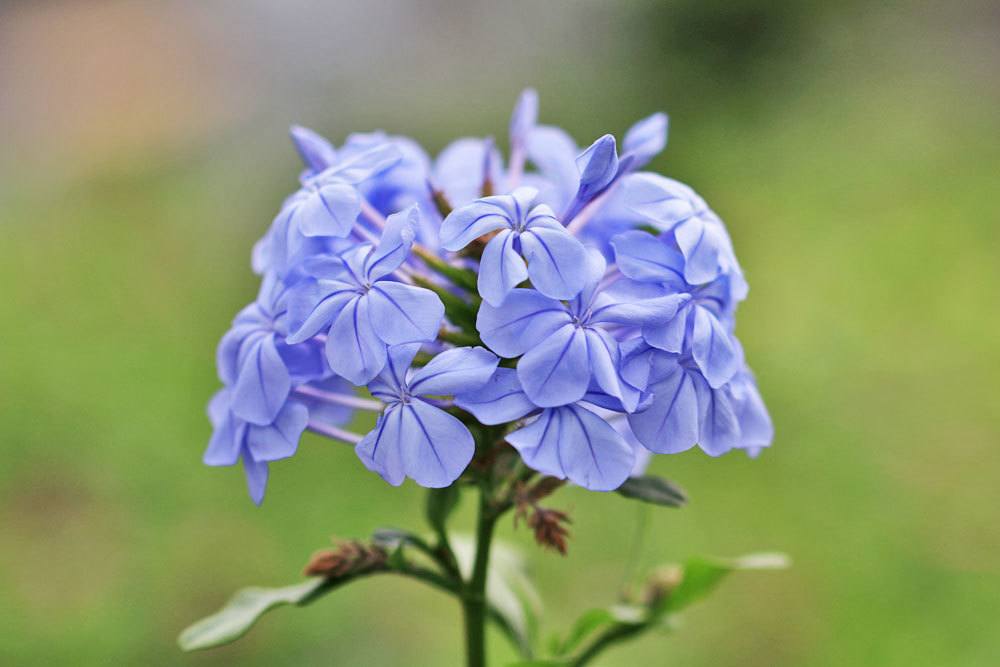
609 292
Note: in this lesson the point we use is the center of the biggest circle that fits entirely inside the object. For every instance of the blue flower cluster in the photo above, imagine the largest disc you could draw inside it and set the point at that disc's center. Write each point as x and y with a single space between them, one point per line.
566 302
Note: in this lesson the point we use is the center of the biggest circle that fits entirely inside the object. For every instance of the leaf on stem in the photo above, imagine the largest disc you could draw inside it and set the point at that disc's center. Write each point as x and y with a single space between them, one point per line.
653 489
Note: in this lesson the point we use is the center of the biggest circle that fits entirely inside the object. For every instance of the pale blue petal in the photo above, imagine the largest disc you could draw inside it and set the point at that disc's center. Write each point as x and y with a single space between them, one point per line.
464 225
554 152
398 365
655 311
524 117
500 269
256 473
314 304
556 370
393 247
557 261
352 347
458 170
646 139
263 383
670 424
670 336
573 442
605 361
525 318
719 429
598 165
713 348
642 256
380 451
499 401
756 428
453 371
316 152
279 439
330 210
404 313
662 201
227 435
227 354
435 446
701 245
363 165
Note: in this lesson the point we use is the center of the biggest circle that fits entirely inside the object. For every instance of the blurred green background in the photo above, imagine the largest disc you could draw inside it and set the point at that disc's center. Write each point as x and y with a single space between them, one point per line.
851 147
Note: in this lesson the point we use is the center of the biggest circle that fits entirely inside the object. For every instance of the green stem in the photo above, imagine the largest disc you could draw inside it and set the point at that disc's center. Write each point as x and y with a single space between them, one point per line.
474 602
615 634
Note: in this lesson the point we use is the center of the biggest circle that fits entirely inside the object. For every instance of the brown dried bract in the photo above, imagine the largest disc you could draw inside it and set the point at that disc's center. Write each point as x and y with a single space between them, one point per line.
347 558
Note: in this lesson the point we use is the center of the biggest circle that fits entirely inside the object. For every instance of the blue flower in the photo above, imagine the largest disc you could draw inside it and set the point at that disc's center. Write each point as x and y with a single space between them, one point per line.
325 207
685 410
234 439
703 324
698 232
253 359
364 310
569 442
555 260
413 437
568 344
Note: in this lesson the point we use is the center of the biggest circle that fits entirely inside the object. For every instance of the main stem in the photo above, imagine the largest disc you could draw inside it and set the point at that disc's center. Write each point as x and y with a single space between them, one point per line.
474 600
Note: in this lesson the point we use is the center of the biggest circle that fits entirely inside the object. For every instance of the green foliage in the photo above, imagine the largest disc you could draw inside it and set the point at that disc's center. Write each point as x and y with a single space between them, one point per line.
653 489
242 611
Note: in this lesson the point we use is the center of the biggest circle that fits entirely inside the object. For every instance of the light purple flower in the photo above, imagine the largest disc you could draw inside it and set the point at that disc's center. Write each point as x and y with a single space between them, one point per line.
362 308
413 437
568 344
555 260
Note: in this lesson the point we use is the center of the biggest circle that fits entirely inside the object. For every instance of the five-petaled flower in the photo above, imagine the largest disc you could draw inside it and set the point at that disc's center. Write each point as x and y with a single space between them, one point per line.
414 437
365 309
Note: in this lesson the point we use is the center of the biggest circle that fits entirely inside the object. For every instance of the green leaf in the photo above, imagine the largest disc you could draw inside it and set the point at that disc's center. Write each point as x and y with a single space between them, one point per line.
539 663
587 623
242 611
702 575
653 489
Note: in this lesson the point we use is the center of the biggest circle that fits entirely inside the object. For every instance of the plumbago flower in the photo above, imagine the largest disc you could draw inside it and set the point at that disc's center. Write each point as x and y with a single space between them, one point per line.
561 317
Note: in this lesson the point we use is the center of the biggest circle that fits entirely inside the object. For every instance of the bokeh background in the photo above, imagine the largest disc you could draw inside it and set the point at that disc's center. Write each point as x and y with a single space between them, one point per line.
852 147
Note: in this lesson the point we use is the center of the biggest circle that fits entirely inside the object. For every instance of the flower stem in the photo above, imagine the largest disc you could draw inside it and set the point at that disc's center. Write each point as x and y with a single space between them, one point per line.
474 602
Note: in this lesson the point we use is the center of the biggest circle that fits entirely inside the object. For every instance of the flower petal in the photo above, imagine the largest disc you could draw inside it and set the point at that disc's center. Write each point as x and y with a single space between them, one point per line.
642 256
646 139
380 451
313 305
457 370
263 383
500 269
352 347
557 370
499 401
573 442
330 210
718 427
256 473
605 361
713 348
436 447
404 313
464 225
394 246
526 317
670 424
316 152
557 261
279 439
